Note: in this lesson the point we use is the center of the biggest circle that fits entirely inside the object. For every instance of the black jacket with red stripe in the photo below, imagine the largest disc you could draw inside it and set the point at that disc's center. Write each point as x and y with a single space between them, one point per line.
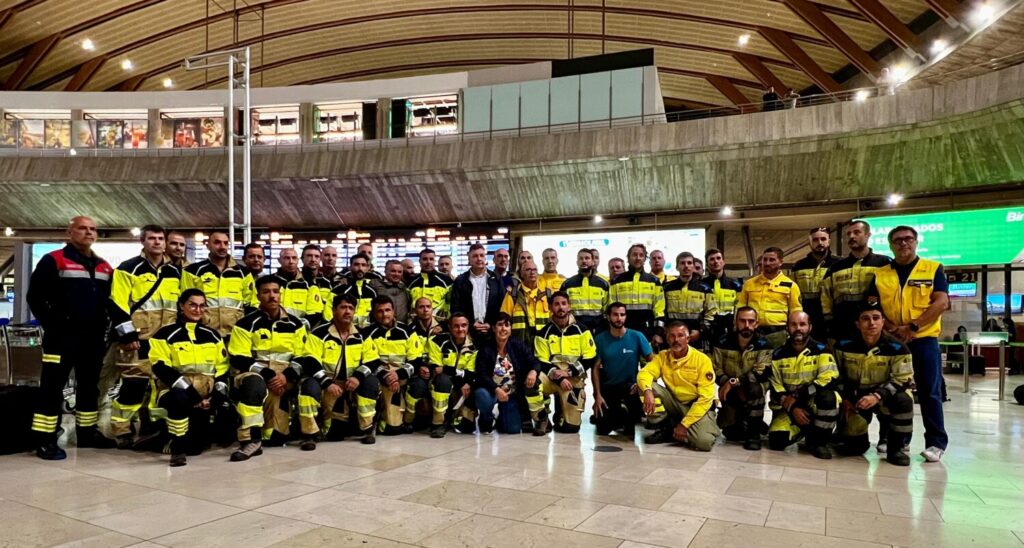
68 292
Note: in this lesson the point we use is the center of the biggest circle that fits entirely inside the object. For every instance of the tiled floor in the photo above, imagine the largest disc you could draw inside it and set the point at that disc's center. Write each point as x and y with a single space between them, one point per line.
521 491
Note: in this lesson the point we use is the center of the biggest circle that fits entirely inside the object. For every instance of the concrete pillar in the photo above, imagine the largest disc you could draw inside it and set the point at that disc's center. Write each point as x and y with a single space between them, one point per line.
383 118
77 115
153 133
307 122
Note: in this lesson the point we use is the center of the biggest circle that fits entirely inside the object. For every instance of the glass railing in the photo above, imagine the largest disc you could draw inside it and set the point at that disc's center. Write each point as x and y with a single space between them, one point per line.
15 145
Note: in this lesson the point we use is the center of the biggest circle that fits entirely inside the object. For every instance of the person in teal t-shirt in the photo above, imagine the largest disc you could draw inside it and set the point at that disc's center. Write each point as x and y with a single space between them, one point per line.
619 354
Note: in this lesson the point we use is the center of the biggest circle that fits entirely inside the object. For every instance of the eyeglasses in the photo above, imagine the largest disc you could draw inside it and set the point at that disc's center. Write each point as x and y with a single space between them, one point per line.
195 306
904 240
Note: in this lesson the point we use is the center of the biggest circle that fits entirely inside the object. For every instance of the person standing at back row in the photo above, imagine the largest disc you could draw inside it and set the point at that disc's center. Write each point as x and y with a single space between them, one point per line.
773 295
914 293
809 273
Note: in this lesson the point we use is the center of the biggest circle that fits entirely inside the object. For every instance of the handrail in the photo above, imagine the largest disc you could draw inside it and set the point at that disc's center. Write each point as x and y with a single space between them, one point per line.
860 95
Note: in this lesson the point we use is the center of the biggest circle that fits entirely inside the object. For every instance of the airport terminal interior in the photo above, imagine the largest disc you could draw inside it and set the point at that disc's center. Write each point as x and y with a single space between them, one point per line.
565 273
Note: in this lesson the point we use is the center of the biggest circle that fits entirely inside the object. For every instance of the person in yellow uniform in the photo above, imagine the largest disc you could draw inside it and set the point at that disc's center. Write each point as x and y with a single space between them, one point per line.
432 284
588 292
225 283
253 259
566 351
176 248
657 260
642 294
681 406
845 285
143 298
527 304
876 373
344 369
809 273
914 293
265 350
311 273
550 279
299 297
687 300
722 296
425 325
403 381
190 375
454 353
773 295
357 284
803 391
742 361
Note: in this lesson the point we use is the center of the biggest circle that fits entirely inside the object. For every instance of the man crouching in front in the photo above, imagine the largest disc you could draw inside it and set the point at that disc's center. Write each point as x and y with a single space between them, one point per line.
682 408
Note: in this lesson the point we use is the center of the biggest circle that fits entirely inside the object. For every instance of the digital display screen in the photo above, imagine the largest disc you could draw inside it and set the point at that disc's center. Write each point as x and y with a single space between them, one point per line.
615 244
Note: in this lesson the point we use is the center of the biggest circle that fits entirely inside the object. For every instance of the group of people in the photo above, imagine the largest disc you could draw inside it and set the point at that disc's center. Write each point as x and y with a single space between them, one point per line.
313 352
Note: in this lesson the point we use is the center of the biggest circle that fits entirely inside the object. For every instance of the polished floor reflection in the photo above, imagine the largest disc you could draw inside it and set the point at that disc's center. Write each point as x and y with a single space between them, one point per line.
521 491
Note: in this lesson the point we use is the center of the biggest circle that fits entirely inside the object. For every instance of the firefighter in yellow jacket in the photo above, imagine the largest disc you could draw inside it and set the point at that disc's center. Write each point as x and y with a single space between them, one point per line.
224 282
681 409
358 285
299 297
190 370
431 284
876 373
803 391
773 295
453 352
641 292
345 364
265 349
527 304
743 363
143 298
588 292
566 351
401 373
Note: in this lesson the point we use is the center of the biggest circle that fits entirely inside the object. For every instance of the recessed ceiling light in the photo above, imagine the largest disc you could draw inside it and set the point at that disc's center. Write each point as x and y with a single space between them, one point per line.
623 158
861 95
136 231
73 152
939 46
127 64
8 232
984 13
894 199
743 40
168 83
598 219
727 211
87 45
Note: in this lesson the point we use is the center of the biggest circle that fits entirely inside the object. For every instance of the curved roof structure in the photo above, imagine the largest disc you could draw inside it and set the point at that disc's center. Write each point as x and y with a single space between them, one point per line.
709 53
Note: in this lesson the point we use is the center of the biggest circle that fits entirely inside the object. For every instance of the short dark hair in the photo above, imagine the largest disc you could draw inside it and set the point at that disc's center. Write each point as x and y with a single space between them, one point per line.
902 228
344 298
475 247
641 246
585 250
684 255
867 226
379 300
557 294
155 229
269 279
175 233
426 250
457 315
310 247
818 229
391 262
252 245
712 251
188 294
362 256
503 317
746 309
221 231
608 309
777 251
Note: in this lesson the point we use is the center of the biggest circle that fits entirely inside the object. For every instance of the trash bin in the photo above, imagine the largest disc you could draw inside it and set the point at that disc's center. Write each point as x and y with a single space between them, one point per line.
22 354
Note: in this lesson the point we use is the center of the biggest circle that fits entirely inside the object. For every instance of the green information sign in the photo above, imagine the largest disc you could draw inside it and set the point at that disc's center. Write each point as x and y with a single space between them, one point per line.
959 238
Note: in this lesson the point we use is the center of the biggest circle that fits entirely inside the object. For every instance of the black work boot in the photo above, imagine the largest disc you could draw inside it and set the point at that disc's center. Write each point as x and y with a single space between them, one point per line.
896 454
817 443
51 451
90 436
661 435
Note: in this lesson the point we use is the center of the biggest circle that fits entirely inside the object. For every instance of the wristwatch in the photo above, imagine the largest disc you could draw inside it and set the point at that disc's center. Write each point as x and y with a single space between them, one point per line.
913 327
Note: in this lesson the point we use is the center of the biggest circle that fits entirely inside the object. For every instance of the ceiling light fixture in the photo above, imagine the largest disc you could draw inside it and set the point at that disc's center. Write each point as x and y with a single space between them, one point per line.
200 236
623 158
984 13
136 231
87 45
861 95
127 64
894 199
939 46
598 219
8 232
168 83
727 211
743 40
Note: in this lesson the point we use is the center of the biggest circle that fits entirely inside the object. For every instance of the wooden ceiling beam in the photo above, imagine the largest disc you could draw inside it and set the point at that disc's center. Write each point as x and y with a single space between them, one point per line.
726 88
891 25
84 74
800 58
761 72
324 25
35 55
132 84
950 11
814 17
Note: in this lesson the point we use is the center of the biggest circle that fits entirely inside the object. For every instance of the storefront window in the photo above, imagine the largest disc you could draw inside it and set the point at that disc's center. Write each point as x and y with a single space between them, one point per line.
434 115
338 122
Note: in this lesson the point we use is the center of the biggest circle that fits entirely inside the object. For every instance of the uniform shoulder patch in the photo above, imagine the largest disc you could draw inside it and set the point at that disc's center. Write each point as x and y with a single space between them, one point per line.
709 376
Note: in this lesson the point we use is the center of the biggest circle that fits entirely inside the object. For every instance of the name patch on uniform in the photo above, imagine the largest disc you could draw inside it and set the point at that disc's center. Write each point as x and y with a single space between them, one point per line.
919 283
785 284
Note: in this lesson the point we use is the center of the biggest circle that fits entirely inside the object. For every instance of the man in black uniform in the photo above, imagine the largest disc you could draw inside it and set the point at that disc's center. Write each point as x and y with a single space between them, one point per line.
808 273
68 294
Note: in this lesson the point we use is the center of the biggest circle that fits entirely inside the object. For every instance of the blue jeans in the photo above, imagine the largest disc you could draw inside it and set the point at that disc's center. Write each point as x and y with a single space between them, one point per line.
508 412
928 378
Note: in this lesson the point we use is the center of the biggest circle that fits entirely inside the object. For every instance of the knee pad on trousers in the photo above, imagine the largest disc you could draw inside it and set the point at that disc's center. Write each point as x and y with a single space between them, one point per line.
133 390
826 400
777 441
416 388
252 390
176 402
901 402
442 383
369 387
311 388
